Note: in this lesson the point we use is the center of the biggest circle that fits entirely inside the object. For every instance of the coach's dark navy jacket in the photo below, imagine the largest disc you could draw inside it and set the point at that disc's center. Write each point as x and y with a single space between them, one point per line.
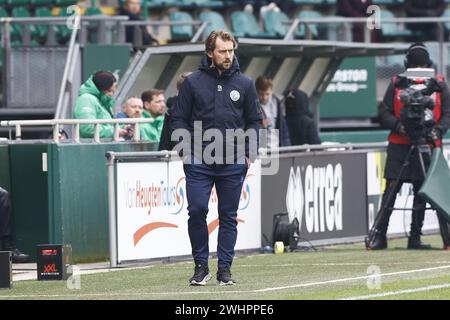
228 101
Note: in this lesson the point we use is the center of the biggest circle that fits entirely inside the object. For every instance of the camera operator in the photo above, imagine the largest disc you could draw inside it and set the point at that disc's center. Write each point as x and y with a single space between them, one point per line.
391 112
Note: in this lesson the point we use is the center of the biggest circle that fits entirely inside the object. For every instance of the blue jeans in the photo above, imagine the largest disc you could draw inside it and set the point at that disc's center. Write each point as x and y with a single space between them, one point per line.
228 180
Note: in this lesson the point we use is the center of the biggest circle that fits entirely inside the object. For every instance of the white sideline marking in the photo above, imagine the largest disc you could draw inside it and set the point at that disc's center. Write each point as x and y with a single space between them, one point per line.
392 293
338 264
302 285
349 279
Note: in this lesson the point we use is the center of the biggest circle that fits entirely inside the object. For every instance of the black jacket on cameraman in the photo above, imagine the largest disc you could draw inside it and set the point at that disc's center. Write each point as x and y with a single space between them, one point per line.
396 153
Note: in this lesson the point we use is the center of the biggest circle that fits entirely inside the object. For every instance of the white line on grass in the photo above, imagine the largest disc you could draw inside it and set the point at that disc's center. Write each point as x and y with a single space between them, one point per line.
350 279
301 285
338 264
393 293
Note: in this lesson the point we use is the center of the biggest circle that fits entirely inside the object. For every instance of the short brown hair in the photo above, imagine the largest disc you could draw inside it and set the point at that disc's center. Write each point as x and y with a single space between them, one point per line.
181 79
210 42
147 96
262 83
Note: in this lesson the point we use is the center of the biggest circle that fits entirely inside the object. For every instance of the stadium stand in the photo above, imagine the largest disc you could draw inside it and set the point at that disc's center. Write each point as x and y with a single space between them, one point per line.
275 23
41 3
181 32
215 21
244 24
313 28
64 3
392 30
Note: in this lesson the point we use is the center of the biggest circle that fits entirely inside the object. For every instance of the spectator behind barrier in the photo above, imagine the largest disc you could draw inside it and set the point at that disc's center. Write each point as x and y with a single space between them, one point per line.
302 128
132 9
165 142
95 101
155 108
133 108
273 113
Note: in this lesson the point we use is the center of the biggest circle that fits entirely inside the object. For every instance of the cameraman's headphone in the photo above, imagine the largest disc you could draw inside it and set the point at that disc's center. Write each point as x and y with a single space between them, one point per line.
417 46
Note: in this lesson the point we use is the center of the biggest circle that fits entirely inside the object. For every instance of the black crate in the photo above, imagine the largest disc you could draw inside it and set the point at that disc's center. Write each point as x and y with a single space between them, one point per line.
6 279
53 261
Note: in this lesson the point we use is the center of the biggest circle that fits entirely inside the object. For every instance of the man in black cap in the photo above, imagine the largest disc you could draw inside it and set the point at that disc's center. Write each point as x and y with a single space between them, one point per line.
400 142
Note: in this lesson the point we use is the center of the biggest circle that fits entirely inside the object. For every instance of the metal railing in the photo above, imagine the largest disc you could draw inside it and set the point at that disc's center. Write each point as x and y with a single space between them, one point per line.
345 25
56 125
137 35
69 70
102 23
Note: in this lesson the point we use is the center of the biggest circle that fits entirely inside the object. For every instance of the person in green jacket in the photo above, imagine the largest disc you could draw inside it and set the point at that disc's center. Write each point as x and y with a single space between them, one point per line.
155 108
95 101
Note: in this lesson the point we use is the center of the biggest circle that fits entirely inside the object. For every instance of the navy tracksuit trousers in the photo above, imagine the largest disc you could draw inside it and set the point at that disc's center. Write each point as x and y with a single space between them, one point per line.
200 179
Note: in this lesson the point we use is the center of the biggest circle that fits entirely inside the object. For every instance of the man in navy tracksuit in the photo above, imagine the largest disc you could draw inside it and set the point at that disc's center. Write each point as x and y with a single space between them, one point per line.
219 97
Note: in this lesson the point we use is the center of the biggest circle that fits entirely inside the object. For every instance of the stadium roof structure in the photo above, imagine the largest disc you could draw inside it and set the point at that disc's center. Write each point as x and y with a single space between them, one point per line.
308 65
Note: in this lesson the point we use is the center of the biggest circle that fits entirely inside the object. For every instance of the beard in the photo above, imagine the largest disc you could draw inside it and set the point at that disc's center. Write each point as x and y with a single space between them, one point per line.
223 66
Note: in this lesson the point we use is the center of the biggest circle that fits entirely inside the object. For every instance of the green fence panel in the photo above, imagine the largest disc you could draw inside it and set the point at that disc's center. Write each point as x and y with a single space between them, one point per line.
355 136
29 194
78 207
114 58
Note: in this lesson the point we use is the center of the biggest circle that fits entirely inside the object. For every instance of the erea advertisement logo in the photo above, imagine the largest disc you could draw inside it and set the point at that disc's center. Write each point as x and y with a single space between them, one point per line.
314 197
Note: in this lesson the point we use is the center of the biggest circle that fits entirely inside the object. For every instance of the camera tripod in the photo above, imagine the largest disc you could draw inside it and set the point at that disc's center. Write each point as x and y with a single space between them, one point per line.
424 154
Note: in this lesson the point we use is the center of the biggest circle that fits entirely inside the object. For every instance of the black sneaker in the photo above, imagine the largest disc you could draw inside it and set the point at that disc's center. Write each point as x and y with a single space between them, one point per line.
378 242
201 275
414 242
18 256
224 277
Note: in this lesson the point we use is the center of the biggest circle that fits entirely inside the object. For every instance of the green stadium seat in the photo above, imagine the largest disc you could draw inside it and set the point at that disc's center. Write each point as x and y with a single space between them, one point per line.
63 33
274 23
245 25
392 29
215 22
17 3
314 28
64 3
42 29
181 32
41 3
201 3
163 3
17 29
93 26
92 11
